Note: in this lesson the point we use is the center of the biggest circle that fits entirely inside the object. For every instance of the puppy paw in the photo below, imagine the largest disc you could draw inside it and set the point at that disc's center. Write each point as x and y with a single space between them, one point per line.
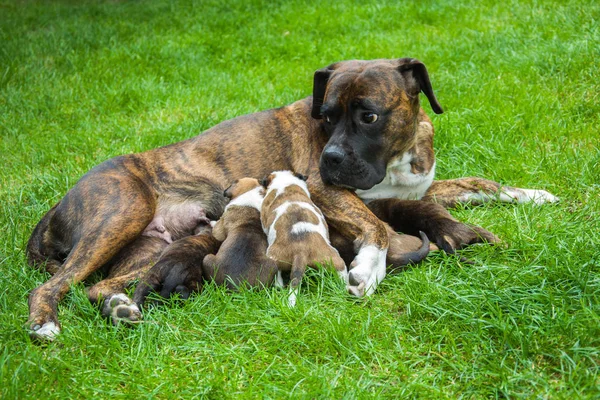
45 332
120 308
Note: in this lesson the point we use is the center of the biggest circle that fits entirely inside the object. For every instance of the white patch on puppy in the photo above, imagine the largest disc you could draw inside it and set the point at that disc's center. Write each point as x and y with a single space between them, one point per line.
284 179
282 209
305 227
252 198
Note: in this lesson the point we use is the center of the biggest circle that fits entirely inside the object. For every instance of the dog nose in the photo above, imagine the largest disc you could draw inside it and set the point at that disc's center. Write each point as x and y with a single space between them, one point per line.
333 155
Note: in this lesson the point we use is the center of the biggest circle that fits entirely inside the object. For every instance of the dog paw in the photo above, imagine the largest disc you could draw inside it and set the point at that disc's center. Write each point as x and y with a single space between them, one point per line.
46 332
366 271
358 291
120 308
450 235
528 195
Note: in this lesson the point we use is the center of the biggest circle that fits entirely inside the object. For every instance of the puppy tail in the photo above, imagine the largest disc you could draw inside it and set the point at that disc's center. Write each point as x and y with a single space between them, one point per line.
296 275
38 255
412 257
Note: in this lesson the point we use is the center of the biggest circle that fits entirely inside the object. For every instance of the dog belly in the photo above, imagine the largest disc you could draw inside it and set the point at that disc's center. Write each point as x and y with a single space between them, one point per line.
175 219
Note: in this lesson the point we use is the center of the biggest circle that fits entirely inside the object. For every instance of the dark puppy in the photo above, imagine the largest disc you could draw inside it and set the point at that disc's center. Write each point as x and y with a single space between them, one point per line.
242 256
180 267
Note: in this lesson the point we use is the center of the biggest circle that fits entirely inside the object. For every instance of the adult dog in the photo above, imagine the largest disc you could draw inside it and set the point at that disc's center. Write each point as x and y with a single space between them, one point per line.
361 135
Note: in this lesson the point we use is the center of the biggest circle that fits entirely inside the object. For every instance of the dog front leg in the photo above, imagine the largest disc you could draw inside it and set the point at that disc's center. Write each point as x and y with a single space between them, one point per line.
412 216
347 214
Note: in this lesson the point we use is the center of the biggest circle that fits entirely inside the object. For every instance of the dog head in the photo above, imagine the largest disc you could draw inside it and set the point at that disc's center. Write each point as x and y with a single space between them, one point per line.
240 187
369 111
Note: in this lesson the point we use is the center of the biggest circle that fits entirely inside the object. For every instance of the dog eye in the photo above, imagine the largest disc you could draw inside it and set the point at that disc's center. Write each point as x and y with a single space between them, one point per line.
327 119
369 117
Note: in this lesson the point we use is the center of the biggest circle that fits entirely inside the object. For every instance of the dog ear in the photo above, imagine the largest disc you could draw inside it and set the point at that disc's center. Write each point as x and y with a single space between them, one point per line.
301 177
319 87
420 74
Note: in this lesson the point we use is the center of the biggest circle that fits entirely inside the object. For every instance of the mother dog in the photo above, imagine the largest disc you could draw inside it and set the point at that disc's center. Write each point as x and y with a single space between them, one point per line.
362 131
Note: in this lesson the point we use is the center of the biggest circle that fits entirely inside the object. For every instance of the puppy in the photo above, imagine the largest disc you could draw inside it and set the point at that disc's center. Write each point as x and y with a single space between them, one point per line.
179 269
296 229
242 256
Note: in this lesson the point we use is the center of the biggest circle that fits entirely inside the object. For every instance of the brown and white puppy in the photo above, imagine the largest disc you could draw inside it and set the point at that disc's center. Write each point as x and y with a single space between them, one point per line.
242 255
296 230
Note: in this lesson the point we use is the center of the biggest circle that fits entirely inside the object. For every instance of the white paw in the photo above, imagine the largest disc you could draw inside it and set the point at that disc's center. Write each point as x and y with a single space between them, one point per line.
528 196
367 270
119 308
46 332
292 298
279 280
343 276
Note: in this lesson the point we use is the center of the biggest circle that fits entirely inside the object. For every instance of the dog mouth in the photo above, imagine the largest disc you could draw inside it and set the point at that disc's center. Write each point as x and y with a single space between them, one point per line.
356 176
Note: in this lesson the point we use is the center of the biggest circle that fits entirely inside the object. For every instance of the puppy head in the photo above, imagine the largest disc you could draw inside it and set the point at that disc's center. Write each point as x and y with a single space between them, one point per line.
240 187
369 112
279 180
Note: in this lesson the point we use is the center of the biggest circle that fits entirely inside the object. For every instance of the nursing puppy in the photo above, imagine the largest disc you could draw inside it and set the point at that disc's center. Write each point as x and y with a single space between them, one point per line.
242 256
296 229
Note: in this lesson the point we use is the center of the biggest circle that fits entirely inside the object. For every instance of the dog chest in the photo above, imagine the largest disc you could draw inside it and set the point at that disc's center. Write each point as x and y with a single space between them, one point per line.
400 182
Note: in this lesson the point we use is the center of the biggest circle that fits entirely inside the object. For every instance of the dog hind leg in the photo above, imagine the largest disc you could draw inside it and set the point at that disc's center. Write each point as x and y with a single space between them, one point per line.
120 211
129 265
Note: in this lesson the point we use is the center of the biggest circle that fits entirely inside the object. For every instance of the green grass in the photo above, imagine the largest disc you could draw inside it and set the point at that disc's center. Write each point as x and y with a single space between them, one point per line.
81 82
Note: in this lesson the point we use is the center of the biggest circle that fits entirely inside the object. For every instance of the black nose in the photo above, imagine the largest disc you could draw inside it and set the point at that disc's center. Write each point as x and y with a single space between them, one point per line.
333 155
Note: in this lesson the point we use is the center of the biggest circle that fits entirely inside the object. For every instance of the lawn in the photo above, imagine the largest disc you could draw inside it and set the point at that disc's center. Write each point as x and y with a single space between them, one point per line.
83 81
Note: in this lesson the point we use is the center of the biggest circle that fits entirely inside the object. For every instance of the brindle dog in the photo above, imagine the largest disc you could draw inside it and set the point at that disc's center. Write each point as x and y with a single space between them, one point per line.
363 120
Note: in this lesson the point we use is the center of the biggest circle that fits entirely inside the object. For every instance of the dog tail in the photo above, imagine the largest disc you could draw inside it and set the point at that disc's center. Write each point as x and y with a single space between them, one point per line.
412 257
37 253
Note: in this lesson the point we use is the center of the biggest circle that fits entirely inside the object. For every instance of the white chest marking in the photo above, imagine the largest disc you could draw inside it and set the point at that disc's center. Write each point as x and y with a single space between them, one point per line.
400 182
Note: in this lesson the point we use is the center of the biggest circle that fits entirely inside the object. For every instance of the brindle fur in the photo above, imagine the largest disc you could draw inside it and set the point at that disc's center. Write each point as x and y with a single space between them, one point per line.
111 205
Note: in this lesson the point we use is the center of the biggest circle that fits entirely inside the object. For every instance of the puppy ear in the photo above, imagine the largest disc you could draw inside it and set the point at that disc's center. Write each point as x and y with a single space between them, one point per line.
227 192
265 182
319 87
420 74
300 176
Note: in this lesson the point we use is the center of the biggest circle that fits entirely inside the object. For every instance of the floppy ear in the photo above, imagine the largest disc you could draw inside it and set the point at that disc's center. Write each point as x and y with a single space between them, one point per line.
301 177
265 182
319 87
227 192
420 74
